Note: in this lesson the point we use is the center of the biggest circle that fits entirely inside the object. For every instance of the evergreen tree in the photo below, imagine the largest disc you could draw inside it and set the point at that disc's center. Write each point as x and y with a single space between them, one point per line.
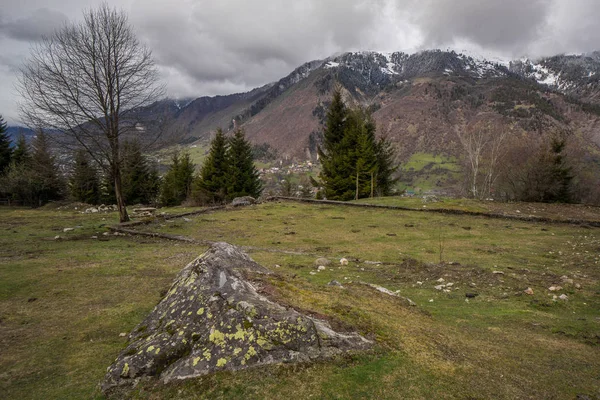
84 184
243 178
354 163
141 183
177 182
139 177
560 173
21 154
50 183
334 174
211 185
5 149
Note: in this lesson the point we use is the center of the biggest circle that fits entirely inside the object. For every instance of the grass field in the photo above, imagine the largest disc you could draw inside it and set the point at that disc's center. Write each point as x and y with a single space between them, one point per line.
64 303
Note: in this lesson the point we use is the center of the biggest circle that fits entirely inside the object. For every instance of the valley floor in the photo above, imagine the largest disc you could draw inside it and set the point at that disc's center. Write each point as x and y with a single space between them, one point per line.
65 302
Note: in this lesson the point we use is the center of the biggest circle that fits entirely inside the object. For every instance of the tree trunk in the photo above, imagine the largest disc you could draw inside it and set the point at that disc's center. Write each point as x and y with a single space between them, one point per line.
123 216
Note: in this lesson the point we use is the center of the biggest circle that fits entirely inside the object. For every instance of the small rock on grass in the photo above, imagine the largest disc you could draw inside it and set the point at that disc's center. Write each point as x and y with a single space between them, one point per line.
563 297
321 268
528 291
554 288
322 261
343 261
334 283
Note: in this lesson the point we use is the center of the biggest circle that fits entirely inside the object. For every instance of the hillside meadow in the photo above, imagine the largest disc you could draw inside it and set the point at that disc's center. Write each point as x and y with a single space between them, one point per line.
65 303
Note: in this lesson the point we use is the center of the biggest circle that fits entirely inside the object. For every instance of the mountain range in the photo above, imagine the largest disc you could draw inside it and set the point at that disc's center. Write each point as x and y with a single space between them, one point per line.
418 100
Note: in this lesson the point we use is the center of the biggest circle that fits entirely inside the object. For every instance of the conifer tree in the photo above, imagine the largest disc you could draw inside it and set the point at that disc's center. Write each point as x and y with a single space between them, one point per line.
21 154
177 182
141 183
211 185
243 178
354 163
84 183
5 149
334 173
50 184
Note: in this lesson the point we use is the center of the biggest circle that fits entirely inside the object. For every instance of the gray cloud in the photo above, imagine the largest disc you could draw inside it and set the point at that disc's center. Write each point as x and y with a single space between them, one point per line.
42 22
208 47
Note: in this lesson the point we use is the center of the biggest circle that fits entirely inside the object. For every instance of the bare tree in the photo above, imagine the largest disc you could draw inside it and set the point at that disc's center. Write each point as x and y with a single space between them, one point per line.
89 82
482 143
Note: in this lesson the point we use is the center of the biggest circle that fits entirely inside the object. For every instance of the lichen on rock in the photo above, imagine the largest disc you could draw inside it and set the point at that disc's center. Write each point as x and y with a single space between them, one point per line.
212 319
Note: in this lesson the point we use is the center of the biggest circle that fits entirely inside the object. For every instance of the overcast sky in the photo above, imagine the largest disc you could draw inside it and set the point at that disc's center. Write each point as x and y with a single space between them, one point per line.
209 47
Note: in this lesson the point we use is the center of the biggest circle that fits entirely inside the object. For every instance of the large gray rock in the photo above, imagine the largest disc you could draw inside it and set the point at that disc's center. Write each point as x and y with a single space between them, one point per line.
213 319
243 201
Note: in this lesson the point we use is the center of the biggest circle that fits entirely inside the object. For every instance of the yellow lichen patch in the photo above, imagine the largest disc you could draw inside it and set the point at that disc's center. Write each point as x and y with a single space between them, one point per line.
221 362
217 337
196 361
251 353
261 342
237 351
157 351
207 355
125 371
200 311
150 348
209 315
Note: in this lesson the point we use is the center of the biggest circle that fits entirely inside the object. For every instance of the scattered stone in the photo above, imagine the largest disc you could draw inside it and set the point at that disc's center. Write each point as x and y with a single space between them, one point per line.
68 230
554 288
321 268
94 237
334 283
467 300
566 279
277 266
563 297
498 272
449 284
122 334
106 234
213 319
472 284
431 300
453 263
577 286
57 237
373 262
441 280
312 273
471 295
243 201
528 291
439 287
187 219
419 283
322 261
343 261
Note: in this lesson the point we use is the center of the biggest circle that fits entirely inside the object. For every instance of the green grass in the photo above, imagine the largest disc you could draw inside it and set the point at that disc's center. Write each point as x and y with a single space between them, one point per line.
503 344
424 172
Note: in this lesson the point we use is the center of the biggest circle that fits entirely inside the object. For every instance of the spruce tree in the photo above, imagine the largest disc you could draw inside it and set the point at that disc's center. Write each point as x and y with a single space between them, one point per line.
177 182
243 178
84 183
5 149
21 154
50 183
141 183
211 185
334 168
354 163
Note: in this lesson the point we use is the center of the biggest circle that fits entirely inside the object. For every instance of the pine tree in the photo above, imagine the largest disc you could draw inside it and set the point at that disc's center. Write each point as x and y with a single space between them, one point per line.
334 173
141 183
21 154
139 177
243 178
5 149
84 184
354 163
211 185
177 182
49 181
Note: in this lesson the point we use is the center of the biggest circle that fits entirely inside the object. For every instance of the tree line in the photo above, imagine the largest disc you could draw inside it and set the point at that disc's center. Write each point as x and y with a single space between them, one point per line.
30 174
